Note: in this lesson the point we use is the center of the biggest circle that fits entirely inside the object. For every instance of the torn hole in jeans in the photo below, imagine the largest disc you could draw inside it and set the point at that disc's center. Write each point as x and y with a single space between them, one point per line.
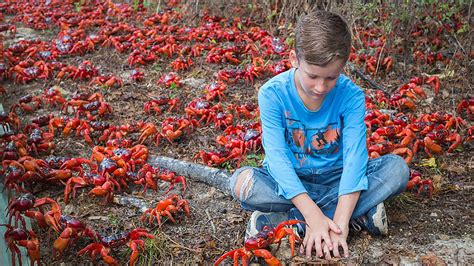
244 184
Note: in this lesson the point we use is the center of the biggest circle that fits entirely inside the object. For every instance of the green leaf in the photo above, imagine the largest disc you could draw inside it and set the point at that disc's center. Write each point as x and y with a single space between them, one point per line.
173 86
431 162
239 26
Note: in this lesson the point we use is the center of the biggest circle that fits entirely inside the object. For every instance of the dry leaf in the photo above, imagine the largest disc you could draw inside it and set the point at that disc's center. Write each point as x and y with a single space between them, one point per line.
432 259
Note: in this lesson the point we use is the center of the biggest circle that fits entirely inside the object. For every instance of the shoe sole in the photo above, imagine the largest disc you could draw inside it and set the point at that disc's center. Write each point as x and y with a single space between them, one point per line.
379 217
252 227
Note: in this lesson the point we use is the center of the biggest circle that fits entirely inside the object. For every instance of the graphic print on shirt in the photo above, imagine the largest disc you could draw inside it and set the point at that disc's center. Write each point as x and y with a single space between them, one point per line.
315 142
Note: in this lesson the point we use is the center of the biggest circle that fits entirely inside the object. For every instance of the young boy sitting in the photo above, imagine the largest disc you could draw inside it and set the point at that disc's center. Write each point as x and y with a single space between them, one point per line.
316 165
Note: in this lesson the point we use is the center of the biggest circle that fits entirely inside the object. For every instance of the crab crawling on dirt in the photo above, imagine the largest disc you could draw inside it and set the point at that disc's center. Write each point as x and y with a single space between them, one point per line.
103 247
256 245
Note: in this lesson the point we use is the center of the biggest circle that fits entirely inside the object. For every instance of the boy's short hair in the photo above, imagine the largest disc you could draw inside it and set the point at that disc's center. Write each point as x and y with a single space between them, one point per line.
322 37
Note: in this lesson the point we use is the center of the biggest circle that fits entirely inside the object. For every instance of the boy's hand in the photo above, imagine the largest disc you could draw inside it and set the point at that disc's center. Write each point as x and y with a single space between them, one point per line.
338 240
318 230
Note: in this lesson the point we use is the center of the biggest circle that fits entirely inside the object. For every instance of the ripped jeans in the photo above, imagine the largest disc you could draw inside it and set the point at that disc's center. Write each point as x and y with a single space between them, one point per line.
387 177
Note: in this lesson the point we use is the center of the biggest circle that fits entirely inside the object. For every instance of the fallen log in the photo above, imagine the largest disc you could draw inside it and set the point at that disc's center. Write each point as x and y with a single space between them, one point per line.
215 177
365 78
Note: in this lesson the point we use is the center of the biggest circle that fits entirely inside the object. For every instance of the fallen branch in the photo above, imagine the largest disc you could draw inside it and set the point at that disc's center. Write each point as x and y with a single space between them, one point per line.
131 201
217 178
365 78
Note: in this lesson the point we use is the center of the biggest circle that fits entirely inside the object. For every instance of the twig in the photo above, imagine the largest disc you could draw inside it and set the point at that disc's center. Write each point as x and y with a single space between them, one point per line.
178 245
364 77
379 59
212 223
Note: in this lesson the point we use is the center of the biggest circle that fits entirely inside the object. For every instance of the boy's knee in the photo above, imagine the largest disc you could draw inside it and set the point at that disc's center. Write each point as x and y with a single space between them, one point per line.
241 183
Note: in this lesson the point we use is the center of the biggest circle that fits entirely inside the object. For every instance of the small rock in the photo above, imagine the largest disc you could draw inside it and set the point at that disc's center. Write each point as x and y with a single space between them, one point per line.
399 218
193 82
63 91
444 94
69 209
433 214
284 252
443 237
407 261
95 218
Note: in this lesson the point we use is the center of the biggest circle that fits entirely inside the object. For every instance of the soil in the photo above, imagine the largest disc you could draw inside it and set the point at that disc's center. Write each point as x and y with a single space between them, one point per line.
425 229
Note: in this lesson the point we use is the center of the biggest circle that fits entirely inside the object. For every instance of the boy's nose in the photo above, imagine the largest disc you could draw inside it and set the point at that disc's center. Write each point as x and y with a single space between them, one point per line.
320 88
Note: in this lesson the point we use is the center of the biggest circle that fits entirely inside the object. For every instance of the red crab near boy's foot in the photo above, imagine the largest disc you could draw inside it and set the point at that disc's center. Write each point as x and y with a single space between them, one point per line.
256 245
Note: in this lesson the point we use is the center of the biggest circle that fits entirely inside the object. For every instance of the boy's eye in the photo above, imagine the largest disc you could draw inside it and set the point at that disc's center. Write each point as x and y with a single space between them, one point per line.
315 77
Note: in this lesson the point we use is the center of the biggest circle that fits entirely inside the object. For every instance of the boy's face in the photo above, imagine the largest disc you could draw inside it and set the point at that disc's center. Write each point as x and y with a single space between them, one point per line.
313 81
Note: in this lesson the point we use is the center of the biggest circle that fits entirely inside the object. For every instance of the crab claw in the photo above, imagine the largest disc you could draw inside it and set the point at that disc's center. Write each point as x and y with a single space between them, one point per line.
267 256
235 254
97 248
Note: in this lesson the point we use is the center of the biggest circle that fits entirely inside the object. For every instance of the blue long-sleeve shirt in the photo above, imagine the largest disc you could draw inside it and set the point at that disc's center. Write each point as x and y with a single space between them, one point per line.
295 137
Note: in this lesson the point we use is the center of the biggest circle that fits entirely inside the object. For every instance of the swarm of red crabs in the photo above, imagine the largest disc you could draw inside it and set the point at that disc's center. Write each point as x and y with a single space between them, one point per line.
239 50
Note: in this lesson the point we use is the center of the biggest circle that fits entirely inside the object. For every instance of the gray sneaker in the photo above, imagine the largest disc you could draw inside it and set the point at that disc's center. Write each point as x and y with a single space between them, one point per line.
260 219
375 221
5 128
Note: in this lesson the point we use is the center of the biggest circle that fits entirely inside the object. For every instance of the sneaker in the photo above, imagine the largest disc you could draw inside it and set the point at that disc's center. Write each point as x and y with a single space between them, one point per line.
260 219
375 221
5 128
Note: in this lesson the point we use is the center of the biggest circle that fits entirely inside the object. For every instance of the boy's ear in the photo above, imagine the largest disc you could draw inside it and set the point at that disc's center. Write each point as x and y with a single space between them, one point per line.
293 59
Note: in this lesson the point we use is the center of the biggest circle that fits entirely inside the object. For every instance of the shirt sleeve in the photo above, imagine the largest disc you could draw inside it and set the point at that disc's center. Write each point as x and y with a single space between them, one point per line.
355 155
277 153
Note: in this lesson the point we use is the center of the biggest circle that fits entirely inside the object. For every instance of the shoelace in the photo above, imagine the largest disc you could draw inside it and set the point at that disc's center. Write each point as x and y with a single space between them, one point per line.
355 225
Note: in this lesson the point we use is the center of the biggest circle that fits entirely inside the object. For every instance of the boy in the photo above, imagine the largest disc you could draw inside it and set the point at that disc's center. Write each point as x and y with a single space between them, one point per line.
316 165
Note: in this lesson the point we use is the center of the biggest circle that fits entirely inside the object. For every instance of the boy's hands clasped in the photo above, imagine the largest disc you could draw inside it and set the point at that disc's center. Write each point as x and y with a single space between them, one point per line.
317 236
325 236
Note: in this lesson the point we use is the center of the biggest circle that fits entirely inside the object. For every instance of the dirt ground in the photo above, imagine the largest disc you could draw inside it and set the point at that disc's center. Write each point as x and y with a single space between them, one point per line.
422 229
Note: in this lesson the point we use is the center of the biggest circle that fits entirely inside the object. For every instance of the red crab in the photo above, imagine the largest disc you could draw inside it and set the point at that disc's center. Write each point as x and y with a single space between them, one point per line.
26 202
73 229
136 75
108 81
416 181
255 246
103 247
170 80
215 89
167 207
15 237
